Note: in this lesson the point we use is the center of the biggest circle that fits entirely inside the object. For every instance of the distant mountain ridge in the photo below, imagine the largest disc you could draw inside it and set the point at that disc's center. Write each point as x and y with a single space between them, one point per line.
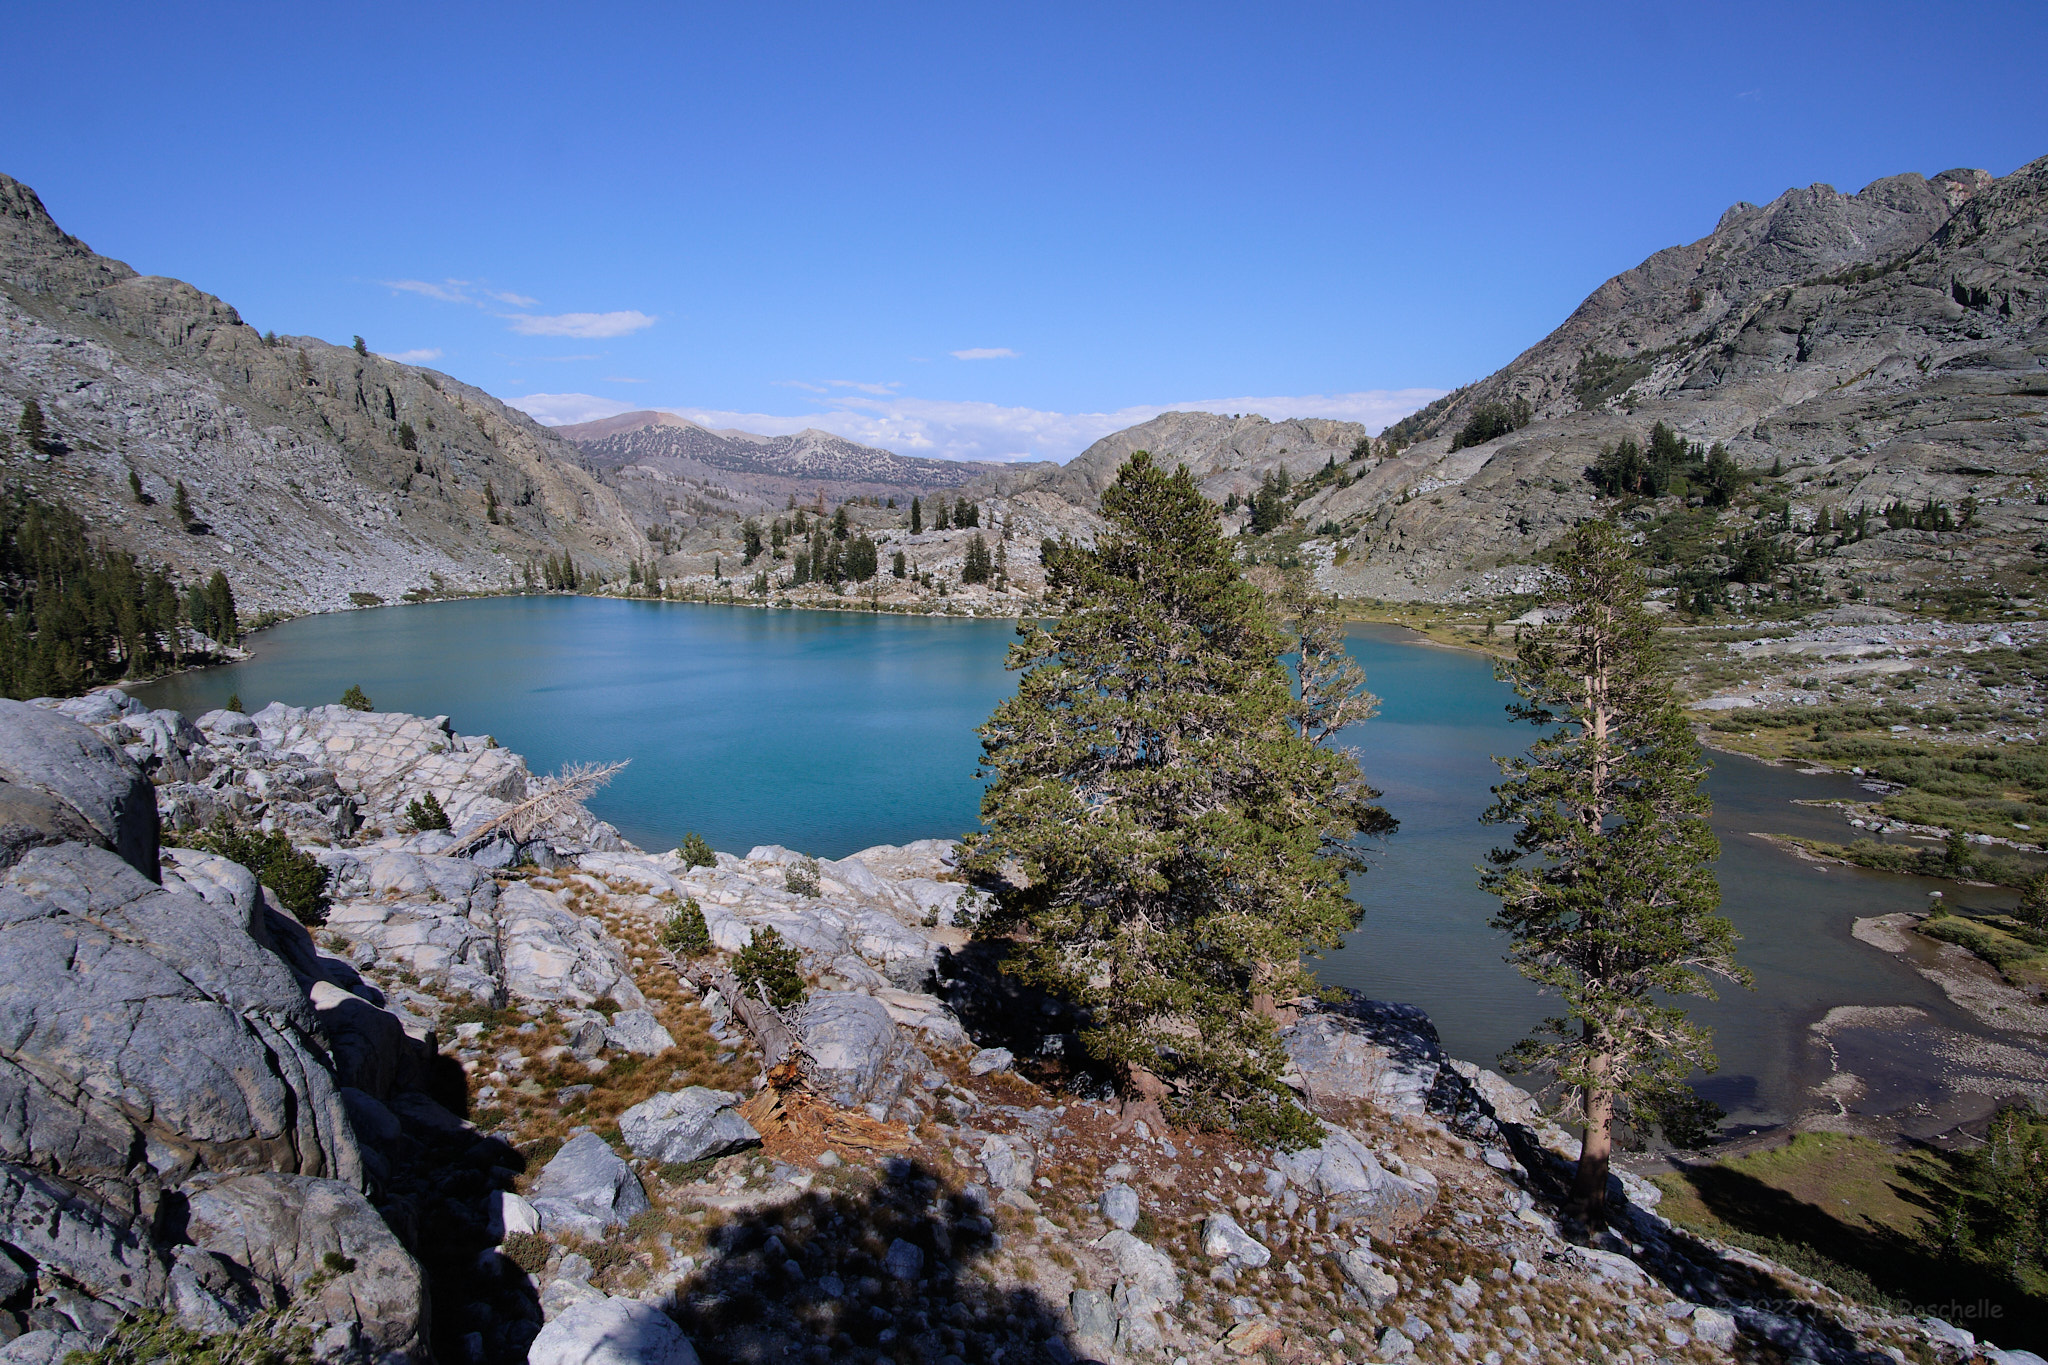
810 455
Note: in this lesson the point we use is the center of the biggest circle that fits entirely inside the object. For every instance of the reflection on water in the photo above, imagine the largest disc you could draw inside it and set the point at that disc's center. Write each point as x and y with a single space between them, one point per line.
830 732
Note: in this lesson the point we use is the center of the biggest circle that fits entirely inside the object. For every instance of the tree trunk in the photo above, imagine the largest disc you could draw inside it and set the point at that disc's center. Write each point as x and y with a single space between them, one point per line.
1588 1201
771 1034
1142 1093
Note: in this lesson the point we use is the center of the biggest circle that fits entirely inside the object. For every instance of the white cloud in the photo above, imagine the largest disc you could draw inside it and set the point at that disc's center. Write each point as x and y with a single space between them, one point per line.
419 357
447 291
510 300
967 430
587 325
986 353
566 409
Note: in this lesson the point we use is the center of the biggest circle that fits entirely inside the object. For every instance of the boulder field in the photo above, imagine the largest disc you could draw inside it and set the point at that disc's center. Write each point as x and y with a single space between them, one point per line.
476 1109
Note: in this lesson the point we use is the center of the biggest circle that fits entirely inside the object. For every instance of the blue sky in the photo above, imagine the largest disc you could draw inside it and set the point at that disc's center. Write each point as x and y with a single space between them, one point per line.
967 230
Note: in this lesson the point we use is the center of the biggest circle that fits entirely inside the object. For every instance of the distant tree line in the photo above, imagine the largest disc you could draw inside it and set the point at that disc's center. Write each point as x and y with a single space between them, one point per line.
1490 421
1669 465
75 614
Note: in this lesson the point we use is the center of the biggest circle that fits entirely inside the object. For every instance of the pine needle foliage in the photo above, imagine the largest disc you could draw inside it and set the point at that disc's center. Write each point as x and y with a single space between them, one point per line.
425 813
296 877
771 968
1606 891
1168 840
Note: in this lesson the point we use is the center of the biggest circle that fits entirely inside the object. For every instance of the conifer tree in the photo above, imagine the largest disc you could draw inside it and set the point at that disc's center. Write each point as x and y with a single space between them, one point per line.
1181 844
1606 891
916 516
34 432
181 504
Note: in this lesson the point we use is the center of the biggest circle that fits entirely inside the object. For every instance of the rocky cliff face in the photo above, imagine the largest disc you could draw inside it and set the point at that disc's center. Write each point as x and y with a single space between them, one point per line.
1877 346
313 471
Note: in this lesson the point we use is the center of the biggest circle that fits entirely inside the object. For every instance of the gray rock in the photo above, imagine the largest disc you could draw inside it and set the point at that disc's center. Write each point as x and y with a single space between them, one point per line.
606 1331
586 1188
44 1347
287 1228
1120 1206
147 1022
60 781
853 1054
638 1032
1222 1238
1395 1346
1714 1327
1009 1162
1346 1173
990 1059
686 1125
1372 1283
507 1214
1147 1281
1094 1323
904 1260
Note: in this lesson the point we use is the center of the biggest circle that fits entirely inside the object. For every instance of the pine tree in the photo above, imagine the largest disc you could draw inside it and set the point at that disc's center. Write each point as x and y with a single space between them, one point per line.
362 347
1179 840
181 505
1607 891
840 528
916 516
860 558
220 599
939 521
490 503
34 432
976 568
897 564
135 489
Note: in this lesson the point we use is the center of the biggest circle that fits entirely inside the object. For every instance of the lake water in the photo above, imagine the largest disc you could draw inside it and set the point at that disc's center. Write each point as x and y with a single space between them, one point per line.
830 732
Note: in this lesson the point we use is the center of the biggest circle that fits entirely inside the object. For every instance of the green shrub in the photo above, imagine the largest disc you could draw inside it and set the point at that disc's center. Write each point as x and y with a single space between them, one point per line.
354 699
771 968
425 813
297 878
695 851
527 1250
158 1338
802 878
685 933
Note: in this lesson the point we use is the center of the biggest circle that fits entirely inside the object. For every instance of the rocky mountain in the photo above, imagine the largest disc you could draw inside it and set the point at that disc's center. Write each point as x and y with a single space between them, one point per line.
313 471
649 456
1880 346
1228 454
1874 347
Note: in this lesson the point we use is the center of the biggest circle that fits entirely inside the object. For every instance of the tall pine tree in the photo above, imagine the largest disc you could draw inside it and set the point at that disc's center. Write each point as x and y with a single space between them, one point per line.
1606 891
1181 843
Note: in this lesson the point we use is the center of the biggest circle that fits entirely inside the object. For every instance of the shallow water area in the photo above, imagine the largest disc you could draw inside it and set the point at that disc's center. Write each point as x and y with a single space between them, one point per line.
834 731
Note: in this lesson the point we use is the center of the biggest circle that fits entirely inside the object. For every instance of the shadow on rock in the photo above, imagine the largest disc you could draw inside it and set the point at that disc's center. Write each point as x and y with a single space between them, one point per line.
892 1272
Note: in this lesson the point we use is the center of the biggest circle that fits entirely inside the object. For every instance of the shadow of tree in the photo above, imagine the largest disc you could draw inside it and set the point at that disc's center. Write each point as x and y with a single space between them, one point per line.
893 1272
998 1010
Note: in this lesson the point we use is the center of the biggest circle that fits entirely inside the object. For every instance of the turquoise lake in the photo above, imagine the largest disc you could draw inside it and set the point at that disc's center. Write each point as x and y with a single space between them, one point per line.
830 732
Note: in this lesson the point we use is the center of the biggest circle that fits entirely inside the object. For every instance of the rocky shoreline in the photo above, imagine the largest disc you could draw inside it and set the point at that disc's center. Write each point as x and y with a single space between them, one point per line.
477 1112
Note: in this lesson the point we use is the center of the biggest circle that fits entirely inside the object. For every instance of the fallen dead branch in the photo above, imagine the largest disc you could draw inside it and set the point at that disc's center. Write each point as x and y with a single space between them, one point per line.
559 795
